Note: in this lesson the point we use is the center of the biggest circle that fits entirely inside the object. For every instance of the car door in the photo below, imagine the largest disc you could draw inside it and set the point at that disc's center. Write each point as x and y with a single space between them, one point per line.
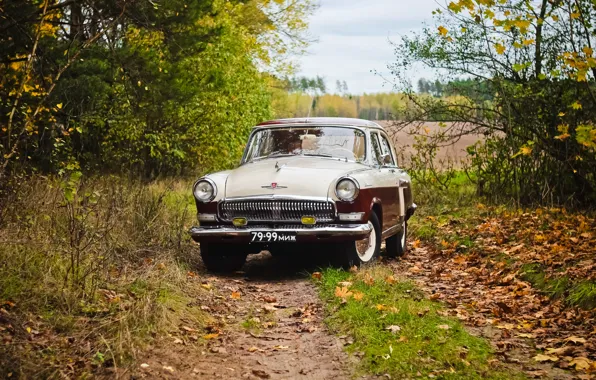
387 185
398 177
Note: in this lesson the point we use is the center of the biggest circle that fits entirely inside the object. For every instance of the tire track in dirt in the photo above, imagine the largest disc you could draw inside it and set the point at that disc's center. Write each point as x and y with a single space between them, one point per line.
270 321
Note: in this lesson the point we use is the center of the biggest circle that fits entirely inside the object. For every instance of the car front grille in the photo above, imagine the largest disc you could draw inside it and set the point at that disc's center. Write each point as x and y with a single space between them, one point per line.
276 210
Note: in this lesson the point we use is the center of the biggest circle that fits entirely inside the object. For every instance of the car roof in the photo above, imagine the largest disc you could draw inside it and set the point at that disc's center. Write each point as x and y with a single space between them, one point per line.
320 121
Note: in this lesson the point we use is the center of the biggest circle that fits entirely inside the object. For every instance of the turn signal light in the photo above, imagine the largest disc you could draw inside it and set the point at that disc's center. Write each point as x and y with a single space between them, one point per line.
240 222
309 220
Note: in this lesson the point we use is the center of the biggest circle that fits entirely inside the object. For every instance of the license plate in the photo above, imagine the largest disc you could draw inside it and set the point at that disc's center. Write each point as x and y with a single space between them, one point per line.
272 237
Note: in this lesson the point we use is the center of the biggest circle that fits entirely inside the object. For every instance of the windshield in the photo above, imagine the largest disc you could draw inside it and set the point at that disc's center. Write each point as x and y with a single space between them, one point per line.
334 142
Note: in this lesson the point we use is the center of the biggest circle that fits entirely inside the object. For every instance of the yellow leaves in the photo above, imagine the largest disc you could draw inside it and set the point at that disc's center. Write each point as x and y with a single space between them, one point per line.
442 30
582 76
368 279
555 18
576 339
489 14
317 275
575 15
581 363
576 106
522 24
358 296
525 150
210 336
500 48
564 130
528 41
390 280
235 295
588 51
545 358
416 244
59 106
455 8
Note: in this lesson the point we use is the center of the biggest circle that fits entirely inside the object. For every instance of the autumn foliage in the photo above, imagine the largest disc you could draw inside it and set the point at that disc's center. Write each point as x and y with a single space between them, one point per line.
535 62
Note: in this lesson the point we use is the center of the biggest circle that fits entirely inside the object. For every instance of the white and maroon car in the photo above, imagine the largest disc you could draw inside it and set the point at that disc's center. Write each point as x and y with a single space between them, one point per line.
326 183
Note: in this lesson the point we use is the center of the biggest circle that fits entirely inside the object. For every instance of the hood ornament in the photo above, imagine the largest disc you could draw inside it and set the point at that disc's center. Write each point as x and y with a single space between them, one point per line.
274 186
277 167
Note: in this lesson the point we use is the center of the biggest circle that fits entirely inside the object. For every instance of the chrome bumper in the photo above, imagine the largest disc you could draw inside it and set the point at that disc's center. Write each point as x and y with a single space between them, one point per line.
350 231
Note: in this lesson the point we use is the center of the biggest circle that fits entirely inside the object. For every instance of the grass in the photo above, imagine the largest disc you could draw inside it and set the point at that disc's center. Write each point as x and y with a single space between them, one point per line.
424 343
573 293
90 271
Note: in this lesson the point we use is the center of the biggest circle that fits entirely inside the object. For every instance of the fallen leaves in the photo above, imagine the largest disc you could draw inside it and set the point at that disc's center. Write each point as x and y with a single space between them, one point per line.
545 358
358 295
390 280
343 292
575 339
493 282
393 328
235 295
317 275
581 363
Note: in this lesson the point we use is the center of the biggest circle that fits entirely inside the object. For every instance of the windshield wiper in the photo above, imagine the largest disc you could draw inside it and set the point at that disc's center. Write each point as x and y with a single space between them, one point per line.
318 155
273 154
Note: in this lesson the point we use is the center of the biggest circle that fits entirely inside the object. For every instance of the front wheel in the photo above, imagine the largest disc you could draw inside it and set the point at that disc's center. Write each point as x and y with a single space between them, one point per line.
396 245
223 258
362 251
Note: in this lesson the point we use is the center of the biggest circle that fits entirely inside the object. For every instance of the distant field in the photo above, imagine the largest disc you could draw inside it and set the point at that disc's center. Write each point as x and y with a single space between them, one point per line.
403 142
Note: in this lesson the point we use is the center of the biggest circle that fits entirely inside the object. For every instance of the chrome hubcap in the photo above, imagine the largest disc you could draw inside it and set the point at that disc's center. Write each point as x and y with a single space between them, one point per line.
366 247
403 235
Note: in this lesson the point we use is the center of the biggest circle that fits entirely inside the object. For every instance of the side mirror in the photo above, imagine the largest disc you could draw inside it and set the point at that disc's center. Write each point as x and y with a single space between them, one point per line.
386 159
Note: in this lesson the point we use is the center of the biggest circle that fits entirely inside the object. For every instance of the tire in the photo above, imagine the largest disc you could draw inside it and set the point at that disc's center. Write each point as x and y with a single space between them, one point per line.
349 254
223 258
397 245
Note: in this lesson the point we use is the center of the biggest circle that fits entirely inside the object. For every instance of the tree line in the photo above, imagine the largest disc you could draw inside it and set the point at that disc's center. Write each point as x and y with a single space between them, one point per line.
302 96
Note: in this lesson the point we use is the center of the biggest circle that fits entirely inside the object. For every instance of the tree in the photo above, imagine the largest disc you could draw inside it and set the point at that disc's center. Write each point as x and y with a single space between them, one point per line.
151 87
535 60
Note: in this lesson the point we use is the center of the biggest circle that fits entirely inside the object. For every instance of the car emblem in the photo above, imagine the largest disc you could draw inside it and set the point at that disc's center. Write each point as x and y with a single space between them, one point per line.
274 186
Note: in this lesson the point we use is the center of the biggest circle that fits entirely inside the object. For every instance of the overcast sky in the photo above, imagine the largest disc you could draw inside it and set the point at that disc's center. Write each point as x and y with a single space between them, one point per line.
353 39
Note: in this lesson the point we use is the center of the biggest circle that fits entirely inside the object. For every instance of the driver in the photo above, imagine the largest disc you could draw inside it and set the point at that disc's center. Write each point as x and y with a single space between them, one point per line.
295 147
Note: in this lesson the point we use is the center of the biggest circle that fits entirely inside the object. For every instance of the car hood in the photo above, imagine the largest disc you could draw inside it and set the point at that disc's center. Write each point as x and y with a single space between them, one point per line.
295 176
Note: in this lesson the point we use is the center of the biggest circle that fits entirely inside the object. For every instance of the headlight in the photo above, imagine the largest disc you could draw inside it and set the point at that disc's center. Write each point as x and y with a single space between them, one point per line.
204 190
347 189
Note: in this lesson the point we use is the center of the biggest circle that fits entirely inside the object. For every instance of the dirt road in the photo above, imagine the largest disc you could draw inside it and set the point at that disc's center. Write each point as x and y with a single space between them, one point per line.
269 326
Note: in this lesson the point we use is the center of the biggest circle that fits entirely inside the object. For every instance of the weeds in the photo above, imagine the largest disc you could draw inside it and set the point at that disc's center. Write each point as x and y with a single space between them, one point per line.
90 269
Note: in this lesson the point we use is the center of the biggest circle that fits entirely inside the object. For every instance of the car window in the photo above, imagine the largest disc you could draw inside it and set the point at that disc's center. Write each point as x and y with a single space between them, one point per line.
377 152
334 142
387 149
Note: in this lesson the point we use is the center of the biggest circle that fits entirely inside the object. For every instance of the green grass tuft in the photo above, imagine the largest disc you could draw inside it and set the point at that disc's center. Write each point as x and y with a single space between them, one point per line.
427 342
583 295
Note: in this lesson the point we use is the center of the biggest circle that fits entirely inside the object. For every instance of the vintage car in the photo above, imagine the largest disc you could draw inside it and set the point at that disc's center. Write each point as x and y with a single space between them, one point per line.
326 183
